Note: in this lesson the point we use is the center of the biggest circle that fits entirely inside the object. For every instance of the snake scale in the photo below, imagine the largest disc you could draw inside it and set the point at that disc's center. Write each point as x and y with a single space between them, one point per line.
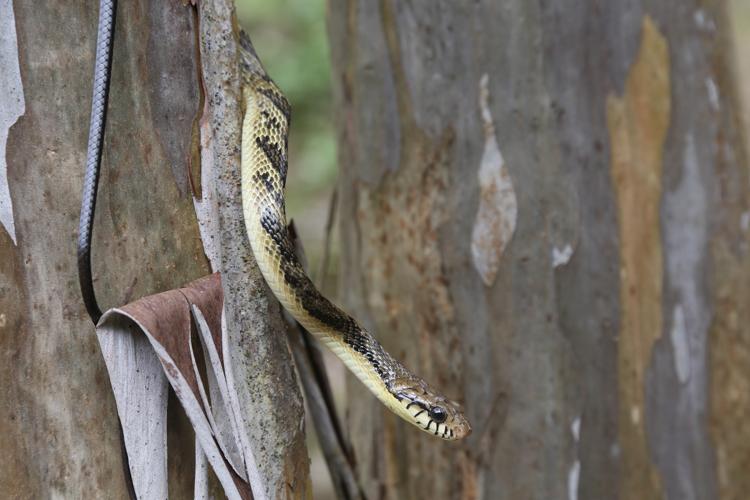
264 148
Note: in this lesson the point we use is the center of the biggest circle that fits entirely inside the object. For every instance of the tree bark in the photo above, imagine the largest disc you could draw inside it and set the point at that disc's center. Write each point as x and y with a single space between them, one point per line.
549 220
59 427
260 356
174 103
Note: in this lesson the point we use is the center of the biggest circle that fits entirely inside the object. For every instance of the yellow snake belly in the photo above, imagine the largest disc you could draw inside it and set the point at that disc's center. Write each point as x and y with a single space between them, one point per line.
265 130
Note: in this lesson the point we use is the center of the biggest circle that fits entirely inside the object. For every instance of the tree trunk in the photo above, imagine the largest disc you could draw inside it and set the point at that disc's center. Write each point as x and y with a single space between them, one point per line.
549 220
175 87
59 434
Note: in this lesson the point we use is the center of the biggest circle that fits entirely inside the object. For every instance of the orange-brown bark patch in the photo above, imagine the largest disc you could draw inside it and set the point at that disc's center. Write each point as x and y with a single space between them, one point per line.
638 123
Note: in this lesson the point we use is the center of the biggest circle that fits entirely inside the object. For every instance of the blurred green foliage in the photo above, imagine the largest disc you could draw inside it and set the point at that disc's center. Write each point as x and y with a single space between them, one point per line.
291 40
740 12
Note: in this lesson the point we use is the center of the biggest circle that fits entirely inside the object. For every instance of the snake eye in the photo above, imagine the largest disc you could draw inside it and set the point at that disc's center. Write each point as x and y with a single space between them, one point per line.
438 414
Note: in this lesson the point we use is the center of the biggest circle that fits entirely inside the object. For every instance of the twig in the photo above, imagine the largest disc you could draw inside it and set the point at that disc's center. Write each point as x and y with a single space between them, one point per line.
341 469
319 395
313 349
322 275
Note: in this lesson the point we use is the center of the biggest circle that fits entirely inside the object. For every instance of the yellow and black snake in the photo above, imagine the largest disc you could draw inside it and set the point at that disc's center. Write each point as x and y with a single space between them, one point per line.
265 129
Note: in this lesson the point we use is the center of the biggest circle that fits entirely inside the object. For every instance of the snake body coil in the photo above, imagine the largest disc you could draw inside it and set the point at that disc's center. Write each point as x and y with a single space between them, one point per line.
264 167
99 99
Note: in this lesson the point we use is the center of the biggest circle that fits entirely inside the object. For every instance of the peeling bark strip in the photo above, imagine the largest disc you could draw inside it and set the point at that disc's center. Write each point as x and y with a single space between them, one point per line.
638 124
496 216
11 105
261 372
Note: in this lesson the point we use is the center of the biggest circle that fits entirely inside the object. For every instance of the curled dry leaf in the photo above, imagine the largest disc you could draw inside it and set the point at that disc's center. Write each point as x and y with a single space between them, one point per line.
147 345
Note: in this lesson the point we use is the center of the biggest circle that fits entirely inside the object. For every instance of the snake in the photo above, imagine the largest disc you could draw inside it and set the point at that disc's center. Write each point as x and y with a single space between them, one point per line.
97 125
264 164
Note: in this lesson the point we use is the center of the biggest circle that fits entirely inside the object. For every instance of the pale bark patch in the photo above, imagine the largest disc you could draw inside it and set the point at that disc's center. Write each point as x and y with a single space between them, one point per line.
496 217
11 105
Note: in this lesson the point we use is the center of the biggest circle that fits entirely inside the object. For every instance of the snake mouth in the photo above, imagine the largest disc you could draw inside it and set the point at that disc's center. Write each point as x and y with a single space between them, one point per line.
437 416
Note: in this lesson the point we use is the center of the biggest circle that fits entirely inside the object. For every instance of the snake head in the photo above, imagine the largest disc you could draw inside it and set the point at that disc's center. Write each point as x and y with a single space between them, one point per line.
424 407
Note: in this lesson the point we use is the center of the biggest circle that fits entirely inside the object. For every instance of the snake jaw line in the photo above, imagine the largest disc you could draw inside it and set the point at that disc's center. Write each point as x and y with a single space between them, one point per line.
422 406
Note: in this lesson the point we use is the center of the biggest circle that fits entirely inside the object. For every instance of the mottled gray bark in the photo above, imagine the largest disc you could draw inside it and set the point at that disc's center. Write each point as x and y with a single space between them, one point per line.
59 433
547 215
